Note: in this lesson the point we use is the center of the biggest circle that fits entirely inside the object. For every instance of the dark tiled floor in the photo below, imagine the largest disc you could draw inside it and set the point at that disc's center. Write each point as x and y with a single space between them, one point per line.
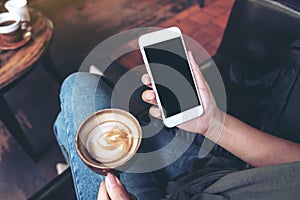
79 26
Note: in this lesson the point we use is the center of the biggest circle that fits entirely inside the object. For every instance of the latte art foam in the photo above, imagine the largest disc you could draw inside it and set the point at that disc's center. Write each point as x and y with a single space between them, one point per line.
109 141
115 138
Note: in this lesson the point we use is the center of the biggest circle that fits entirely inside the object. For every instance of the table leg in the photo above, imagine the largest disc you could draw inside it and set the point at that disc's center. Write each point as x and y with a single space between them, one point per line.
201 3
49 65
11 123
79 4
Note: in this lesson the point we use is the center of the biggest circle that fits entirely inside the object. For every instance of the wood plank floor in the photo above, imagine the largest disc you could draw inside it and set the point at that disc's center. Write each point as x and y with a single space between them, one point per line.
79 26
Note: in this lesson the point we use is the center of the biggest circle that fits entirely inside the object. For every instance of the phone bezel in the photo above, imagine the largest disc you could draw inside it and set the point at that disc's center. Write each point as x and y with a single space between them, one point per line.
161 36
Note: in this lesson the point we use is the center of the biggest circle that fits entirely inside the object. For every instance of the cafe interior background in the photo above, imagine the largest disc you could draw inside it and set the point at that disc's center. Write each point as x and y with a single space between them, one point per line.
80 25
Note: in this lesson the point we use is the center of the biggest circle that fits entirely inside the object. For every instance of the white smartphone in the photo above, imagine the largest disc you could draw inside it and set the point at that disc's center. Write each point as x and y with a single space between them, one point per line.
170 71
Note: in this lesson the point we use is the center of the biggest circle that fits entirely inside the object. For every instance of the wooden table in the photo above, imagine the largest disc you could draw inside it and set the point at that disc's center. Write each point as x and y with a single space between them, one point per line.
16 64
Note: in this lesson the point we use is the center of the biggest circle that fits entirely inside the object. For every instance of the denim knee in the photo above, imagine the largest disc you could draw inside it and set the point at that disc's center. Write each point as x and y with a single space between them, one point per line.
61 126
59 129
66 90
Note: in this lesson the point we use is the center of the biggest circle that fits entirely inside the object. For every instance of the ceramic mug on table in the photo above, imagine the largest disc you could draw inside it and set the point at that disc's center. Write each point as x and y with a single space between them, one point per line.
10 31
107 140
18 7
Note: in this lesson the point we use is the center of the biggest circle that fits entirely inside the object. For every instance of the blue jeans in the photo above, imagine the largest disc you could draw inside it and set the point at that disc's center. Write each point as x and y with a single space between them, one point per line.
84 93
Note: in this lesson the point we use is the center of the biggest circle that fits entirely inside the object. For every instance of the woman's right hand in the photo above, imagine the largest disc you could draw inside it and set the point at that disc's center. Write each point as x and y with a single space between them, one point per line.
211 116
112 189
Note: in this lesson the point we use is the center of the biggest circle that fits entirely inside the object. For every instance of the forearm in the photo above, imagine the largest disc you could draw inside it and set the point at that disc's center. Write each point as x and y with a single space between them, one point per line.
256 147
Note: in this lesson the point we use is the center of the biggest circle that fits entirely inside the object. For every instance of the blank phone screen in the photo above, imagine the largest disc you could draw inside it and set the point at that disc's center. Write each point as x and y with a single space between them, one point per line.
172 76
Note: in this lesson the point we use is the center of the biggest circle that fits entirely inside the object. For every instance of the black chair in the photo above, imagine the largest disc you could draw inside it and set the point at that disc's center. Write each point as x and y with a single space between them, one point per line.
254 47
61 187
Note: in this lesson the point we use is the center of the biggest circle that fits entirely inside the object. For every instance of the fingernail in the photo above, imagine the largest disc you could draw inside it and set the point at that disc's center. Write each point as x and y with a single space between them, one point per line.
155 112
149 95
145 80
111 179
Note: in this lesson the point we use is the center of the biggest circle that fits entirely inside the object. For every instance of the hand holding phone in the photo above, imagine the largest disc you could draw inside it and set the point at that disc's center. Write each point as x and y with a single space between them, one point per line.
196 125
171 76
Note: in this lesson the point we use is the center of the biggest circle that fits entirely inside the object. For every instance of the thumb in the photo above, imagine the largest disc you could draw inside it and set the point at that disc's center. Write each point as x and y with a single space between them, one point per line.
200 81
115 189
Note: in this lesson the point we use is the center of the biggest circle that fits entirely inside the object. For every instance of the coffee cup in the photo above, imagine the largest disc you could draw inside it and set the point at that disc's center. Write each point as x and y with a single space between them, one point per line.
108 140
18 7
10 31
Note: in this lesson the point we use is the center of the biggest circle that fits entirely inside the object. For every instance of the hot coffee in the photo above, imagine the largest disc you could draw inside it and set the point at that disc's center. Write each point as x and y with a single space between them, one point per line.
10 31
108 139
6 23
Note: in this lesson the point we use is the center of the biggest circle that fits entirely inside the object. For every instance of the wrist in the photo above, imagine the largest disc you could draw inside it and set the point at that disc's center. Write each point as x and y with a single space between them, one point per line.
216 126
